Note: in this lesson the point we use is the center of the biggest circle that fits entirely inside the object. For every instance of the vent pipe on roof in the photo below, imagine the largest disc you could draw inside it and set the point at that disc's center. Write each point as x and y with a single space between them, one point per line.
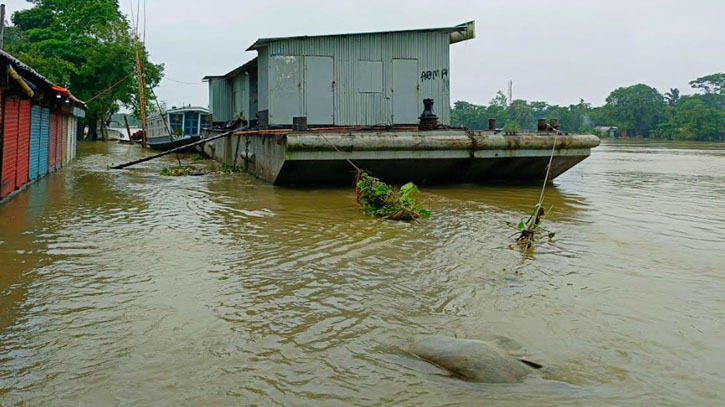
467 31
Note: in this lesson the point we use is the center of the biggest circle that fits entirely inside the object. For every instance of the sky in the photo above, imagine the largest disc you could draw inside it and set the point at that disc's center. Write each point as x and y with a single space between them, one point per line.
559 51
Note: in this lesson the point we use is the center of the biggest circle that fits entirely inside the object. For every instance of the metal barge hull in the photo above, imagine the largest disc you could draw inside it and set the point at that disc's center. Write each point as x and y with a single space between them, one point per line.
284 157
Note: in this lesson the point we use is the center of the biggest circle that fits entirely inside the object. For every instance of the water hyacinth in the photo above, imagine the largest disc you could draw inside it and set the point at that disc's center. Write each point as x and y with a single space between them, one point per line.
382 200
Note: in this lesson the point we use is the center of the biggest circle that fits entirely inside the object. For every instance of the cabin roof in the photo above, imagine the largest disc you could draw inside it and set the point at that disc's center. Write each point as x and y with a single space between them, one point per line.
188 109
465 27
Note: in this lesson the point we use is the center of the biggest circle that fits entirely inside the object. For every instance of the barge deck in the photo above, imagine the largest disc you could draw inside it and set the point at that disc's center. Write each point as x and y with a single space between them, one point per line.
449 156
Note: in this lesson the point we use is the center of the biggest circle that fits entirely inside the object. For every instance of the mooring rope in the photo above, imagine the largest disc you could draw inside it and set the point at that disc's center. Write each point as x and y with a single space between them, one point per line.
338 150
548 167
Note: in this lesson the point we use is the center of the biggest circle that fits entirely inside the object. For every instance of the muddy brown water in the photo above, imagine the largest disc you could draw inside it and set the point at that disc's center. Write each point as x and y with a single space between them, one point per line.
122 288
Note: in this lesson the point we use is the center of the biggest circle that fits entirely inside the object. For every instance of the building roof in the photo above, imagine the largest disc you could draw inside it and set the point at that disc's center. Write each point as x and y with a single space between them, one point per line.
459 32
236 71
37 79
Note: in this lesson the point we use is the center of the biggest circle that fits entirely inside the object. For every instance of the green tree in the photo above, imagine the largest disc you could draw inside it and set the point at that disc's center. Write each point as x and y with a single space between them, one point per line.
714 83
638 109
673 96
694 120
87 46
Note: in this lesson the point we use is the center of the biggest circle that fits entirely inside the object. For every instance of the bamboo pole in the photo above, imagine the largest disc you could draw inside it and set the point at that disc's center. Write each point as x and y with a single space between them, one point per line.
128 128
141 91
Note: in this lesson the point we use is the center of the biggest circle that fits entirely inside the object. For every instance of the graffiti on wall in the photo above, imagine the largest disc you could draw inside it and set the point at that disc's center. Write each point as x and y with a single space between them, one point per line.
433 75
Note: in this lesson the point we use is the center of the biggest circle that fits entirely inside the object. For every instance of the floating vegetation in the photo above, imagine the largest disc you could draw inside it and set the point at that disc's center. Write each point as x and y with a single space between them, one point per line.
382 200
230 169
532 228
181 171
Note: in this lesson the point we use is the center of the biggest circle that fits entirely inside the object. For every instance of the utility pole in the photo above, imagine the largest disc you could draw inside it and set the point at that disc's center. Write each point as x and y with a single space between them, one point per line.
511 92
2 26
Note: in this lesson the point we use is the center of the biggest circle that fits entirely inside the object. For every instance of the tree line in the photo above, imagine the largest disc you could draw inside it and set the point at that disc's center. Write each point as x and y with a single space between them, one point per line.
637 111
87 46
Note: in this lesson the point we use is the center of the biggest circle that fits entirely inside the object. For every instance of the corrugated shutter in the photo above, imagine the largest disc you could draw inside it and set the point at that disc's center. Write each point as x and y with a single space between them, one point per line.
74 137
10 146
64 139
33 166
68 138
52 157
58 141
44 155
21 177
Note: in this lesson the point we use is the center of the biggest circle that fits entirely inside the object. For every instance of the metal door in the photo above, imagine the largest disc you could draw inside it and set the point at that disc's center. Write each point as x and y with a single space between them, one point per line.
21 178
44 156
64 140
285 95
58 140
405 91
34 142
10 146
318 90
53 142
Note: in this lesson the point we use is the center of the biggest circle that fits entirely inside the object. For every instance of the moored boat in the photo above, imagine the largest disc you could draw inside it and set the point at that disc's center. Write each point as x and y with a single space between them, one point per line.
177 127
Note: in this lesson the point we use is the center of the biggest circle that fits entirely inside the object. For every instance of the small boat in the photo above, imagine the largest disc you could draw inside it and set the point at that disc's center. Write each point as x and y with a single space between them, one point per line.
177 127
166 143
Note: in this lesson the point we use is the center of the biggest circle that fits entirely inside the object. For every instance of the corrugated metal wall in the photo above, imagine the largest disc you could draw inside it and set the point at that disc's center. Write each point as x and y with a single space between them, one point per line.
23 143
240 88
262 79
33 166
44 156
9 146
430 49
220 99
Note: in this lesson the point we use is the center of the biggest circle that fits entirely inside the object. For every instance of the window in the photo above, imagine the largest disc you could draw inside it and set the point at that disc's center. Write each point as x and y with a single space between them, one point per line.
176 123
370 76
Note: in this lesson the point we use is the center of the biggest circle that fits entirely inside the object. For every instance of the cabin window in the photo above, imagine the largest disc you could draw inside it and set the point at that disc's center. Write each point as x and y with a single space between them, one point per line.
370 76
176 122
205 121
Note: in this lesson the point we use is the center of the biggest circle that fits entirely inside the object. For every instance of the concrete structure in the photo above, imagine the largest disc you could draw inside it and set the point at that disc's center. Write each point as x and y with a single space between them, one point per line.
357 79
284 157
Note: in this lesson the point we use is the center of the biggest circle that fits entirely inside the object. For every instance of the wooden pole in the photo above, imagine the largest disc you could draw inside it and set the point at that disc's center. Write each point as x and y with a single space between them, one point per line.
141 91
128 128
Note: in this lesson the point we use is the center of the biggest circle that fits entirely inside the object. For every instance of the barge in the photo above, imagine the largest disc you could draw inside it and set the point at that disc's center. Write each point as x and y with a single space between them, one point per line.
362 94
324 156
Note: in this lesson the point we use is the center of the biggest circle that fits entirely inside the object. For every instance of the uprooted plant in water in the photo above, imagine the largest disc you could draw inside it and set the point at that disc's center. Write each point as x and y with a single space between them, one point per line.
382 200
530 229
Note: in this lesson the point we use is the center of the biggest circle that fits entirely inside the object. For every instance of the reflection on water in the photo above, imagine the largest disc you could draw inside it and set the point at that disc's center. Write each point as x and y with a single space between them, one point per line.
128 288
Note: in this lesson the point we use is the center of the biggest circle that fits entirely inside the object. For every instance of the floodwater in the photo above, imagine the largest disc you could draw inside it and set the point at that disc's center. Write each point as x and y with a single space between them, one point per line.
122 288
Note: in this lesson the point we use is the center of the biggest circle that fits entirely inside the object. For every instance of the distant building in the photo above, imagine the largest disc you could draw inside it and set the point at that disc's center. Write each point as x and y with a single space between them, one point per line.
610 131
343 80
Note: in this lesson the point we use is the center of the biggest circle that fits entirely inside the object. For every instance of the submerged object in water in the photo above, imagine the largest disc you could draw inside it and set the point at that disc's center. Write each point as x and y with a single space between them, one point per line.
475 360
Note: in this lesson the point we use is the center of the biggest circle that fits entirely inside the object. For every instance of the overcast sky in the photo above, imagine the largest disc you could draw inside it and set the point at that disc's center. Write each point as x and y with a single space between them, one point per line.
554 50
